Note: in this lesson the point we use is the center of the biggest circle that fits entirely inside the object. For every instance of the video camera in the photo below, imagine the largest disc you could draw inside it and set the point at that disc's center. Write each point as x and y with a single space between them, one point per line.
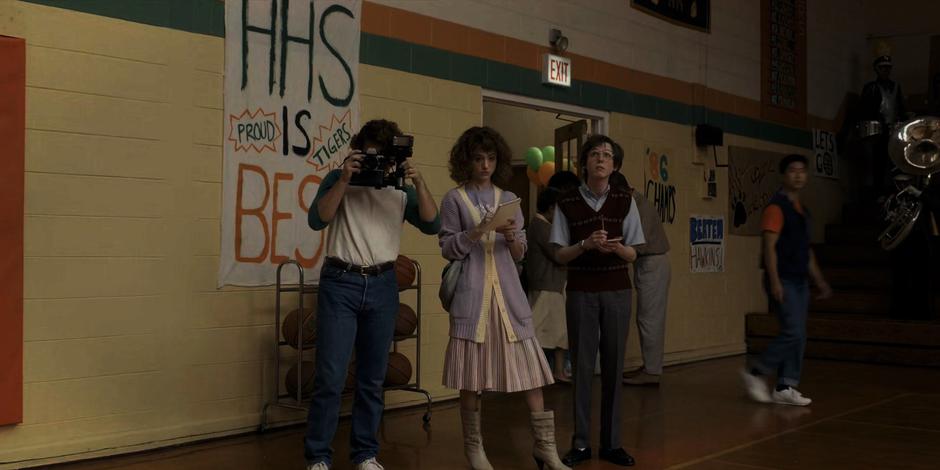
376 169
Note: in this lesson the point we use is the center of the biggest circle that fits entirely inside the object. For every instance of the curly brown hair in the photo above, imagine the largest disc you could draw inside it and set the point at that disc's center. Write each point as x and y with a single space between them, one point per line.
476 139
378 132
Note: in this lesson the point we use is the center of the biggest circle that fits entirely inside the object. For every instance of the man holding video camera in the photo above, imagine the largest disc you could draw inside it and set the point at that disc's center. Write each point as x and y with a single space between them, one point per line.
364 203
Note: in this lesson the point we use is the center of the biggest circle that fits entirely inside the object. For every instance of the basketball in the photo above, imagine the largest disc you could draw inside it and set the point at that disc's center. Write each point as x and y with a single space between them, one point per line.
306 383
404 272
289 328
406 322
399 369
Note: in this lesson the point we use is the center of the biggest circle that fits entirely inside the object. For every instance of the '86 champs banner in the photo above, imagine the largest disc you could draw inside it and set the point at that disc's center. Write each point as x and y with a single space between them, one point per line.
291 108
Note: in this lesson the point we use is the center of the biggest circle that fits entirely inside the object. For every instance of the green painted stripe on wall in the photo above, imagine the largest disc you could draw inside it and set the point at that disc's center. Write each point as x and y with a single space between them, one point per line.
415 58
208 17
195 16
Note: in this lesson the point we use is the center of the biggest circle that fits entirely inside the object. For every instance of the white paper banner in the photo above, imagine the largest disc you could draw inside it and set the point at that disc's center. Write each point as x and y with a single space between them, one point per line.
291 107
707 244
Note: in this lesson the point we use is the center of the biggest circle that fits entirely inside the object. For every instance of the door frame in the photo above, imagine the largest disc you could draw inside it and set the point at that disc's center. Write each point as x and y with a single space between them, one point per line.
600 120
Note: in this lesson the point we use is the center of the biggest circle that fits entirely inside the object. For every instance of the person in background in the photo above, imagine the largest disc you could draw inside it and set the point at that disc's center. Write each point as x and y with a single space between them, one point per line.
883 101
789 264
546 280
564 180
651 278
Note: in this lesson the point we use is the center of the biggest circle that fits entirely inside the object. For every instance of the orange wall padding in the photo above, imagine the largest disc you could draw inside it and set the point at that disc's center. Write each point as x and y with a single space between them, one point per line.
12 149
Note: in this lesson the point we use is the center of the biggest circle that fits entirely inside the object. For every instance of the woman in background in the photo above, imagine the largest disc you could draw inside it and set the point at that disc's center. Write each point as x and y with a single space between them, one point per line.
546 281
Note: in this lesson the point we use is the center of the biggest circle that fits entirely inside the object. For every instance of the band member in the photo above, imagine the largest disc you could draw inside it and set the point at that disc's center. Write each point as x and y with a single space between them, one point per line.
882 101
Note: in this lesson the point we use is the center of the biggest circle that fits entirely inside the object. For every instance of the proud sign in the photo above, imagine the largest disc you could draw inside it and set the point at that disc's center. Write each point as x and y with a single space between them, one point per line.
291 107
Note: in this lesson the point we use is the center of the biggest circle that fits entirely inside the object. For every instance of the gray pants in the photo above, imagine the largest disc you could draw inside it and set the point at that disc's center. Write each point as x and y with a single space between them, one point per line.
651 278
597 319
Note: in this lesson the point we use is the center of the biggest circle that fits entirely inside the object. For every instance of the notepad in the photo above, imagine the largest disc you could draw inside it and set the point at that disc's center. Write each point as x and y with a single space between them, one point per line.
503 213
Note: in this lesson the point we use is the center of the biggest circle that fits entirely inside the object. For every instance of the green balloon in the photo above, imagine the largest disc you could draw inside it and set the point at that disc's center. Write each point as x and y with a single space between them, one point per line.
533 158
548 153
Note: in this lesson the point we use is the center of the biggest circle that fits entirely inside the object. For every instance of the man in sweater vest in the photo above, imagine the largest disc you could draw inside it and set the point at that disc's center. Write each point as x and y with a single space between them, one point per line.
357 301
789 264
595 227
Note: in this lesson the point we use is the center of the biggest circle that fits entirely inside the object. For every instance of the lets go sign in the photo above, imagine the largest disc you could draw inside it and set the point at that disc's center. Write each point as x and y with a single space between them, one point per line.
556 70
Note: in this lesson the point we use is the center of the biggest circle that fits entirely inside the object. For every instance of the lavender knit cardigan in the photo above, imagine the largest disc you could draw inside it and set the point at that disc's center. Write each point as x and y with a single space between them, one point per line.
456 222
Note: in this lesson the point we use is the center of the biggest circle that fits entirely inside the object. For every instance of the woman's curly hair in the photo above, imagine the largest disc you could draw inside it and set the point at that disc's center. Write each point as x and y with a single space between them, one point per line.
477 139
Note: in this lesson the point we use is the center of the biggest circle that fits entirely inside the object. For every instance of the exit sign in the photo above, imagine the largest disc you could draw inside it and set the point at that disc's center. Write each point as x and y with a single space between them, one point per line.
556 70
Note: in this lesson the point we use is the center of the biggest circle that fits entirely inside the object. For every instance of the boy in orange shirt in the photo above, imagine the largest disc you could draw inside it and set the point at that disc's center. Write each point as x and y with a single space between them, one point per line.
789 264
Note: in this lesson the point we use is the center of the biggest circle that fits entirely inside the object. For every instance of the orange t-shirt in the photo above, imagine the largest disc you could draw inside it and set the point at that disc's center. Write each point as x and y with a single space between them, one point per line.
772 218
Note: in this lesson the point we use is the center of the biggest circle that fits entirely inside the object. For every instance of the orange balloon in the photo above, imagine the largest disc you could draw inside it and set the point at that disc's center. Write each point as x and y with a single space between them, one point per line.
545 172
533 176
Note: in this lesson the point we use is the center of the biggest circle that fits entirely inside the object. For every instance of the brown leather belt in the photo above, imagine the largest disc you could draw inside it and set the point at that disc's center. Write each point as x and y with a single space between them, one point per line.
373 270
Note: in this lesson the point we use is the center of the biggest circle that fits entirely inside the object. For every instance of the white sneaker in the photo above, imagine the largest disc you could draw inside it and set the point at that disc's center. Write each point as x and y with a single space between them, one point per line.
755 387
318 466
369 464
790 396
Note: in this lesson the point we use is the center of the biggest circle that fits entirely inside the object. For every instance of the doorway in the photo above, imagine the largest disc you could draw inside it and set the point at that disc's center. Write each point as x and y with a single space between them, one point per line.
527 122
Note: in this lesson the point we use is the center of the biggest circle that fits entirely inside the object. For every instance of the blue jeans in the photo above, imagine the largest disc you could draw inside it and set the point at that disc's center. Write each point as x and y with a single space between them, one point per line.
360 311
784 355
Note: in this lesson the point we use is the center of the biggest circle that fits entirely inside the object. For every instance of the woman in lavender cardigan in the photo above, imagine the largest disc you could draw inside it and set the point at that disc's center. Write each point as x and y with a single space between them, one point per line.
492 342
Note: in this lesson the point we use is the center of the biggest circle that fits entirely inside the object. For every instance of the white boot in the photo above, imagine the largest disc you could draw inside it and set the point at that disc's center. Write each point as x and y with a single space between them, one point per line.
543 430
473 440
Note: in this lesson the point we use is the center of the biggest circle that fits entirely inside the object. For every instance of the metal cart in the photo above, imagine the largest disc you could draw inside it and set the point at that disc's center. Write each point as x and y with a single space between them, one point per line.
298 401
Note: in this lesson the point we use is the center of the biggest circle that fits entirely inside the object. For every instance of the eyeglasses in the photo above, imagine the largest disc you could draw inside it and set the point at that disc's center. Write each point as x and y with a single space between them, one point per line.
602 156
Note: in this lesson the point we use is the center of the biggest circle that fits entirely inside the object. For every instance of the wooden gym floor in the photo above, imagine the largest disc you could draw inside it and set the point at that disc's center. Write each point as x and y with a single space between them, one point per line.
863 416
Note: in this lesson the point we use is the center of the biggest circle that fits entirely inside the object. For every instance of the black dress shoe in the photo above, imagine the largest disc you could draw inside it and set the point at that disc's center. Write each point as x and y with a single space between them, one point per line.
617 456
576 456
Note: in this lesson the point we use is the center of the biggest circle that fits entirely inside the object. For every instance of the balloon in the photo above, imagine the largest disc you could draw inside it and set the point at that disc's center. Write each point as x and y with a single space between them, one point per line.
545 172
533 157
548 153
533 176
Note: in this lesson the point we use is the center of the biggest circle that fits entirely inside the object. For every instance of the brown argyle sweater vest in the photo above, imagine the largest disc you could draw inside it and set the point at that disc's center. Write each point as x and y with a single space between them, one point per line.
594 271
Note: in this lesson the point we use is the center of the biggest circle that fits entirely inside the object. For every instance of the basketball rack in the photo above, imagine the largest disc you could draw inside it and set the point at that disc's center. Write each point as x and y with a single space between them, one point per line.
299 401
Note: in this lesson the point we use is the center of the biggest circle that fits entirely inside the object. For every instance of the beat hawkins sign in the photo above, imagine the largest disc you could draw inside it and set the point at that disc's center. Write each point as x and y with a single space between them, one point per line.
707 240
291 108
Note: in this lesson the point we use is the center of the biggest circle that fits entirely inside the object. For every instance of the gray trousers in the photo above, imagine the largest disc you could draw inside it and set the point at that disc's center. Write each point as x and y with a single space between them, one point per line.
597 320
651 277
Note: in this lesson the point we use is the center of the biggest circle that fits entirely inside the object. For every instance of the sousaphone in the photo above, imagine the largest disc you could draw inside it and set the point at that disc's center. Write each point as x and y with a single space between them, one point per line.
914 147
